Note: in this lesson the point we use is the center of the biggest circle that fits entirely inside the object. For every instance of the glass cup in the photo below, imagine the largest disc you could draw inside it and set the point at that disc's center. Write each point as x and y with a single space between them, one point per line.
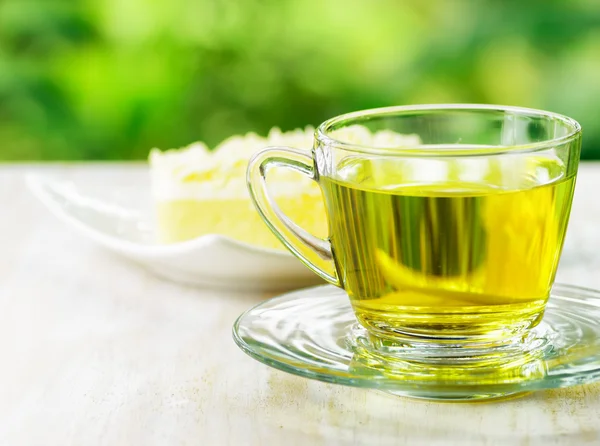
446 222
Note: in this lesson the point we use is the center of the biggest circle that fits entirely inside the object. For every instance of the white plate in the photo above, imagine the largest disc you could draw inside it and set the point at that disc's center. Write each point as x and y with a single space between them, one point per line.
117 215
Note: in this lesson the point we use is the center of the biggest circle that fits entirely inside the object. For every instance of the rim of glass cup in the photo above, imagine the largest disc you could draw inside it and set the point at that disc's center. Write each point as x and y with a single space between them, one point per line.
442 150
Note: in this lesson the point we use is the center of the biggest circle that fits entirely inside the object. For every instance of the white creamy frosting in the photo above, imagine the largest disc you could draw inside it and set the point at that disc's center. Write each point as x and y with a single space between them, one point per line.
195 172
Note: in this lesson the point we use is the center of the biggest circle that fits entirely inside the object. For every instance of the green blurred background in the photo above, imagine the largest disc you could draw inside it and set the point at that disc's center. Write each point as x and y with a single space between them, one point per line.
110 79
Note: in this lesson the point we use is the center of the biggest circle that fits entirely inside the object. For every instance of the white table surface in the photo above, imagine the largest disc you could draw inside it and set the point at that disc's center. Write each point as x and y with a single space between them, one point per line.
95 351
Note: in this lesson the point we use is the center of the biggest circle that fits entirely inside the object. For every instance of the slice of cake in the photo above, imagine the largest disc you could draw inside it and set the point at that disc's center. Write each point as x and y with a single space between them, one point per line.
198 191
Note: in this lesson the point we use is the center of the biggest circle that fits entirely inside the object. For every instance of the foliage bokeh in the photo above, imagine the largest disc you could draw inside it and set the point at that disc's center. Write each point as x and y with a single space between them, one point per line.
110 79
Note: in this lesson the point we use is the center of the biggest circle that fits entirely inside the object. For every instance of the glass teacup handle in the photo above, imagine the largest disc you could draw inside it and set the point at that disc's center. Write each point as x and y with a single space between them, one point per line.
313 251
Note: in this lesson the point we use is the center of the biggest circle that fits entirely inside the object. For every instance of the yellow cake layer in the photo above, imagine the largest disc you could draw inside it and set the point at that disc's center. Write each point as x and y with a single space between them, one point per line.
180 220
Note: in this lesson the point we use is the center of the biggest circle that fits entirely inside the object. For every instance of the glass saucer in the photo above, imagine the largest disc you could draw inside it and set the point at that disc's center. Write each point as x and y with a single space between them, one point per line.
313 333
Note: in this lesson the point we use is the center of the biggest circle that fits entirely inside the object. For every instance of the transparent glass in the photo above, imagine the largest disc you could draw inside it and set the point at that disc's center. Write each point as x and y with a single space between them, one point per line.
313 333
446 222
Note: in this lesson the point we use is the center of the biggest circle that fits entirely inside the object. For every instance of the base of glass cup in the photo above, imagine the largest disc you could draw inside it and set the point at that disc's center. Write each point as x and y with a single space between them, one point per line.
497 326
467 351
442 357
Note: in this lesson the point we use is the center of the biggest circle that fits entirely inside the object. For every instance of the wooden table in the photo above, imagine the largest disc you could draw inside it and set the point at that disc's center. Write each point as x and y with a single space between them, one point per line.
95 351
